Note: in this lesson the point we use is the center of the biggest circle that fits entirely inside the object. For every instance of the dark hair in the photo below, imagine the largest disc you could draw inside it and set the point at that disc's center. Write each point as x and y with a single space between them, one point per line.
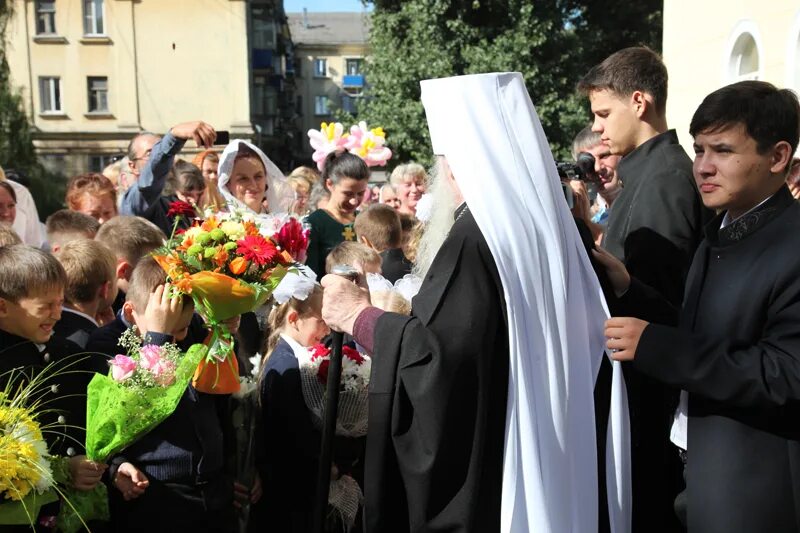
380 224
9 189
631 69
28 270
185 177
769 114
339 165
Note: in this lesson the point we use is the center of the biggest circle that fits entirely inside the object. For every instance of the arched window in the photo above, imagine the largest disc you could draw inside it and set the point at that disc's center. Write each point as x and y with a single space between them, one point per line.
743 60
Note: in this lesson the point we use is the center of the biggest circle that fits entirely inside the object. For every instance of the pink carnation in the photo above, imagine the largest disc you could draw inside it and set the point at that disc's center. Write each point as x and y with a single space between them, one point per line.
122 368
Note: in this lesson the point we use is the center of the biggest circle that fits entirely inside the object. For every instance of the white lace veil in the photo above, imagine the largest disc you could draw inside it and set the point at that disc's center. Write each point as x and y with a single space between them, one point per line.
279 193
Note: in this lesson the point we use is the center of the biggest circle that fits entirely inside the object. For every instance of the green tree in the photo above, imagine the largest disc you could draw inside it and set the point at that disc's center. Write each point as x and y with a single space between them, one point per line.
551 42
16 136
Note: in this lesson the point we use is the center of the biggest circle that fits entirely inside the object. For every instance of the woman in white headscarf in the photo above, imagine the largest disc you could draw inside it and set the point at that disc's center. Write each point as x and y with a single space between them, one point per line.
248 180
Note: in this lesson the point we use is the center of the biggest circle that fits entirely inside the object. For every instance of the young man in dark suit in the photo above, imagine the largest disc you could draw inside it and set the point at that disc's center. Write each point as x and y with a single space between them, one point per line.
735 350
654 227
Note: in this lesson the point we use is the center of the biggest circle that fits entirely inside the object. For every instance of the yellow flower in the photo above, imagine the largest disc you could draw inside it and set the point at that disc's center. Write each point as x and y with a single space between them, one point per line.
24 464
234 230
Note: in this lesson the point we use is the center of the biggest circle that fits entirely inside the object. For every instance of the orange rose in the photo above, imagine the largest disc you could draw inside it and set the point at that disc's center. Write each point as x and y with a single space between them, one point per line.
238 266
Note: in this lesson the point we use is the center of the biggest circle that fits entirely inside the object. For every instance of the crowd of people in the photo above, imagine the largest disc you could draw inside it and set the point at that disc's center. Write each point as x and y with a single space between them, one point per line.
492 406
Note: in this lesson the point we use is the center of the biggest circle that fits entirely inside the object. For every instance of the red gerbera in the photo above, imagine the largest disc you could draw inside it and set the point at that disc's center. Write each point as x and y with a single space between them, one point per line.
181 209
257 249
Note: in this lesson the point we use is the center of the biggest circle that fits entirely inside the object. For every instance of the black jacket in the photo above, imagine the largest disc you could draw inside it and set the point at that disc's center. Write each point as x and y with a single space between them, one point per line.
438 394
737 352
74 327
65 396
394 264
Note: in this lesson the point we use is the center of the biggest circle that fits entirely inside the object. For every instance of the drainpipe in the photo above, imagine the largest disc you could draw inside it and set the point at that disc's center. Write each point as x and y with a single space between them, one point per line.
136 67
30 67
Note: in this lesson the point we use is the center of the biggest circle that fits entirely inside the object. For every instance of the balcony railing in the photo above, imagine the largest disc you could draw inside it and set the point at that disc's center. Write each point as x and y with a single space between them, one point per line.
353 81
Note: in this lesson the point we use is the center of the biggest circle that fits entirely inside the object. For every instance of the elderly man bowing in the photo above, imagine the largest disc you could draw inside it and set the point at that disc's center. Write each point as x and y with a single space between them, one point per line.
481 413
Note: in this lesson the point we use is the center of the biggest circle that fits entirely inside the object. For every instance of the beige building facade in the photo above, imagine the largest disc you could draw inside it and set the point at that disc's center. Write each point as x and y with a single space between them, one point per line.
713 43
330 51
93 73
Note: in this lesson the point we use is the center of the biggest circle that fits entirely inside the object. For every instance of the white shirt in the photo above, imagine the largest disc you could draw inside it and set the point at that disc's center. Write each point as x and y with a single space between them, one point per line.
680 423
26 224
84 315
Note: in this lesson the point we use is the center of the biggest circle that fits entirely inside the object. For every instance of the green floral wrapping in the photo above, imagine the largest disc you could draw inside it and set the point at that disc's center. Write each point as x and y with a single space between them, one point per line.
117 415
80 507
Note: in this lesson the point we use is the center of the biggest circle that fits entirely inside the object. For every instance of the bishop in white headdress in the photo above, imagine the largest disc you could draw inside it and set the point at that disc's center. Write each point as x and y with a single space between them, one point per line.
481 402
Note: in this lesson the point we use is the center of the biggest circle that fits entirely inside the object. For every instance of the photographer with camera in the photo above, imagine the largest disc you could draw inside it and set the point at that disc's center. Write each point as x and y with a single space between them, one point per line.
654 227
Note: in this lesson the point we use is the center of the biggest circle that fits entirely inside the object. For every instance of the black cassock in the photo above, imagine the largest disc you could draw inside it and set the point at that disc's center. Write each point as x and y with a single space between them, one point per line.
437 402
737 353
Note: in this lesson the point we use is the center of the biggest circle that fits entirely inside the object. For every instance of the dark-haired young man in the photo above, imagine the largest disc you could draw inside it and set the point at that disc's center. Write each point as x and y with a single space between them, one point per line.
654 227
736 350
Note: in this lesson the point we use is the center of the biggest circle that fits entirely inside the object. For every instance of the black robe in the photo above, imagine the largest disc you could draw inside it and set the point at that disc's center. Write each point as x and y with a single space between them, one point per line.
438 392
737 353
655 226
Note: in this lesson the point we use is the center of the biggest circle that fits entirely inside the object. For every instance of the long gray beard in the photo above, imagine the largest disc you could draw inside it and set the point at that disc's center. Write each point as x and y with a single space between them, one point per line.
438 227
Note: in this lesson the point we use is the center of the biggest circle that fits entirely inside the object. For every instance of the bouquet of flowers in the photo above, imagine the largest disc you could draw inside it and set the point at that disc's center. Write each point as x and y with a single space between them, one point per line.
351 420
229 263
368 144
29 475
142 389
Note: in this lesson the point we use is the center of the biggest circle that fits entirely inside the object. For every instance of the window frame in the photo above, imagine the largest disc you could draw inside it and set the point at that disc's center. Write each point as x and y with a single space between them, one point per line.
360 61
90 23
54 95
326 109
90 93
51 16
731 61
324 62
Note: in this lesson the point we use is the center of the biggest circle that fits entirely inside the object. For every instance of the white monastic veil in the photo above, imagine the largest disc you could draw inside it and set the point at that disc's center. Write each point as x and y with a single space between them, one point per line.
279 193
488 129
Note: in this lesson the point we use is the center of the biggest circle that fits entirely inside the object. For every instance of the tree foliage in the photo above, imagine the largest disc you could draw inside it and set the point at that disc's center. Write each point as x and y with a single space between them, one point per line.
16 135
551 42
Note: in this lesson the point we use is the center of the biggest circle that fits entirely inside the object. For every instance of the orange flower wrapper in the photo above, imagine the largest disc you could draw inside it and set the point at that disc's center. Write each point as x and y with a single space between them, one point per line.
228 266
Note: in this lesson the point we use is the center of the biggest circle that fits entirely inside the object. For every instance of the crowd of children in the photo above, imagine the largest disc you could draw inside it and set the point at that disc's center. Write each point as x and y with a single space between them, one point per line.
66 305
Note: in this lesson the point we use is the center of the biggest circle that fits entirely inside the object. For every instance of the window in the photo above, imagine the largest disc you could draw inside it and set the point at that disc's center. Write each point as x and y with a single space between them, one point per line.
50 95
93 17
98 94
265 97
299 108
348 104
353 67
320 68
99 162
743 58
263 28
45 17
321 105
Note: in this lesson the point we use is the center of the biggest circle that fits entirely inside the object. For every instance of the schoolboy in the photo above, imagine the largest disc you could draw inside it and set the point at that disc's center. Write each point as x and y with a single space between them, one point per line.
66 226
129 238
91 287
379 228
31 295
